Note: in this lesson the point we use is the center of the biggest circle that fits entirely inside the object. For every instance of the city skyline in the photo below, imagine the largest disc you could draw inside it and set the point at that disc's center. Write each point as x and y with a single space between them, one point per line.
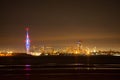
60 23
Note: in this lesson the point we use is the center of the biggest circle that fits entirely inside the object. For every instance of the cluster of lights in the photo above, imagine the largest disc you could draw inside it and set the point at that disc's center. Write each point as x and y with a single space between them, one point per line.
35 53
6 53
9 51
10 54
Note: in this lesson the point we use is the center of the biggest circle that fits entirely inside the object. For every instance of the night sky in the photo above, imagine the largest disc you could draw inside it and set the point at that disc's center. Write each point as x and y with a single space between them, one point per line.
60 23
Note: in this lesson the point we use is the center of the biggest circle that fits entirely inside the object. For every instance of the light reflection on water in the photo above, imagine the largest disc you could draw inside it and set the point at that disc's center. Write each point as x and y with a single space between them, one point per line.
28 70
28 67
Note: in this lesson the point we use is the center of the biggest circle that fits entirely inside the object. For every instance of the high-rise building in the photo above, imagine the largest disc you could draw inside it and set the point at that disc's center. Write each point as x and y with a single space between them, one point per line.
79 47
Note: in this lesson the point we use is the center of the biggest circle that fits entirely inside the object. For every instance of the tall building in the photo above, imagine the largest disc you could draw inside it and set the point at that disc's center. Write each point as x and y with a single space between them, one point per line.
79 46
27 44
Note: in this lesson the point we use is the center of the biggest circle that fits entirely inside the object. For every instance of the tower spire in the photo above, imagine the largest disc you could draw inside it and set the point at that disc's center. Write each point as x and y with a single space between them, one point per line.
27 41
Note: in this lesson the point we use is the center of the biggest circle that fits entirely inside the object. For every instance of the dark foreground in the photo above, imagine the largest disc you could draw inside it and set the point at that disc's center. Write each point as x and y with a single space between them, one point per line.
60 68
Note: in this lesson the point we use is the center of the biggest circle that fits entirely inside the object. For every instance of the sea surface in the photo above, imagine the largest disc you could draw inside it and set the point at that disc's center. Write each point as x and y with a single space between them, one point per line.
56 68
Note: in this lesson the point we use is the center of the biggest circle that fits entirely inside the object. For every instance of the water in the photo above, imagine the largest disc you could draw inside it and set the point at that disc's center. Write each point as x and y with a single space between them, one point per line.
56 68
29 72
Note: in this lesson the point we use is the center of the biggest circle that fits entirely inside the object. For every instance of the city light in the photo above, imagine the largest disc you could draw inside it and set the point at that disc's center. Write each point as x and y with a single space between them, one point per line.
78 49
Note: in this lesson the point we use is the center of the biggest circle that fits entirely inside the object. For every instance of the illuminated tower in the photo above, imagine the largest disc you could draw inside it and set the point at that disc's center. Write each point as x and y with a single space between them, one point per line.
27 41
